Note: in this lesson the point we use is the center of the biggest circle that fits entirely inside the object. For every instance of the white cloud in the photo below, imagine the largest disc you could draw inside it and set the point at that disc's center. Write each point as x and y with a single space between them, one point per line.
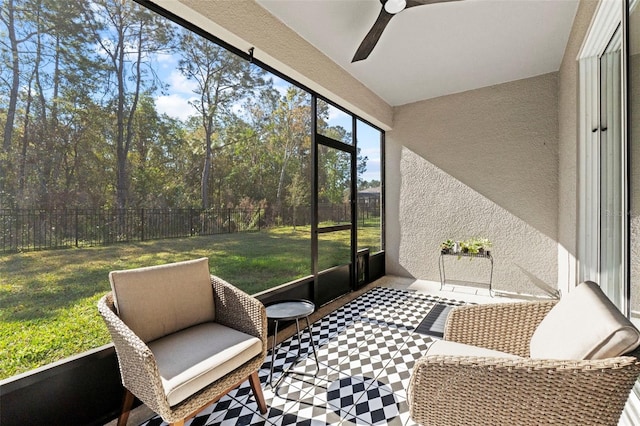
175 105
166 59
282 86
180 84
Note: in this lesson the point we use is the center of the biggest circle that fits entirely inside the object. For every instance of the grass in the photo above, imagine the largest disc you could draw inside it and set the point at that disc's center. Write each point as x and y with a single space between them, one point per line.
48 298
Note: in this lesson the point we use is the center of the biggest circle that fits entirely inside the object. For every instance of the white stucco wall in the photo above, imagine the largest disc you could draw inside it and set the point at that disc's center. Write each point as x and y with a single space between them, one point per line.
479 163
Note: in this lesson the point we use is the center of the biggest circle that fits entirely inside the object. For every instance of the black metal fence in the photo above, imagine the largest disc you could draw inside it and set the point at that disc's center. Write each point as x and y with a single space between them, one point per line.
35 229
41 229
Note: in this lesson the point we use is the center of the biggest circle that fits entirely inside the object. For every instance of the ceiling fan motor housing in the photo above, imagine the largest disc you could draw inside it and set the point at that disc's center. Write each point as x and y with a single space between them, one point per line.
395 6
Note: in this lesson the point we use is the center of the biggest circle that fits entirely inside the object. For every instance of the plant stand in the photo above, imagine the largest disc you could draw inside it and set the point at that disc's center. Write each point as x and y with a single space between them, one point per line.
443 277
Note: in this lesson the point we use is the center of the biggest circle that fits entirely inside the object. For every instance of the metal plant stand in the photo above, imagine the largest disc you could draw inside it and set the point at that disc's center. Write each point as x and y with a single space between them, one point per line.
443 277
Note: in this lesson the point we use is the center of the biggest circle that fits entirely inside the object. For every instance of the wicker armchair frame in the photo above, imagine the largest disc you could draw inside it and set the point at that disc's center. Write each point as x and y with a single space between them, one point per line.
457 390
139 370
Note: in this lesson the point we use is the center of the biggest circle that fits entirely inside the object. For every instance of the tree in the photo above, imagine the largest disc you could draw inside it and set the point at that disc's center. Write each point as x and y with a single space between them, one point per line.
63 74
44 54
334 175
284 125
298 195
11 14
222 80
373 183
361 166
133 36
291 133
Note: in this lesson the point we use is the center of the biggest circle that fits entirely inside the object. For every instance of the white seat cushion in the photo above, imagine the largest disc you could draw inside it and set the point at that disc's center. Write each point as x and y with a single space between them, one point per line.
192 359
584 324
445 347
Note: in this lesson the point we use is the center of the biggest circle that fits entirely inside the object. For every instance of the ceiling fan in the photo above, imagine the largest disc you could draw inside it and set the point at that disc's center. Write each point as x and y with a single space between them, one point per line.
390 8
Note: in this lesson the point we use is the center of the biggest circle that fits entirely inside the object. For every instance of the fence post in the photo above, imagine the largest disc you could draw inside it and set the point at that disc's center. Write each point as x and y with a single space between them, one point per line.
229 220
77 227
142 224
16 237
16 234
191 221
259 210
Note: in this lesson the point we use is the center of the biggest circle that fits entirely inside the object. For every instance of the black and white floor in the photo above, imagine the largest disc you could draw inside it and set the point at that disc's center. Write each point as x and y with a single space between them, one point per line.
365 350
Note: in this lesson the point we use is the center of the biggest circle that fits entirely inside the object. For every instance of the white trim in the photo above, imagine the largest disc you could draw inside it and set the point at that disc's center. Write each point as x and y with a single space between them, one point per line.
605 20
567 267
589 171
612 172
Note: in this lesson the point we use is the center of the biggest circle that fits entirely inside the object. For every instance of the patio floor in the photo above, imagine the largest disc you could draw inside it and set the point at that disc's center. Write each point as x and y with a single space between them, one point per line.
366 350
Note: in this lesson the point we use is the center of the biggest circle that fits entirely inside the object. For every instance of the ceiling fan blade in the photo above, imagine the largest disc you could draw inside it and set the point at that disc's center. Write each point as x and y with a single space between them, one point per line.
413 3
372 37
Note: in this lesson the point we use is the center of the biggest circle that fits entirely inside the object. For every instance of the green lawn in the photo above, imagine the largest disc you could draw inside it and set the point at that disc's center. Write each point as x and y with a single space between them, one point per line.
48 298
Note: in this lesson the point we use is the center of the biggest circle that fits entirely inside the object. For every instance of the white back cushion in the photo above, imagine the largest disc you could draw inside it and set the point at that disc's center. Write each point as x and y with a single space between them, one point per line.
159 300
584 324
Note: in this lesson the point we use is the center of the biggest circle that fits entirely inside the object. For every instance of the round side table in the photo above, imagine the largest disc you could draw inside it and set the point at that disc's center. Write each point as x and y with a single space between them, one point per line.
291 310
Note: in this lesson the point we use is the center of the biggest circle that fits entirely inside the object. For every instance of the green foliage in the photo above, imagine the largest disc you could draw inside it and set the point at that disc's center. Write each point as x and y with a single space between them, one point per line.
88 132
298 195
369 184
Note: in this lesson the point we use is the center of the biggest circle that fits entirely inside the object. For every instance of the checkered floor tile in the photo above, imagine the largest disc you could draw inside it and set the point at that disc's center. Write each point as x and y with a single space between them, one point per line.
365 354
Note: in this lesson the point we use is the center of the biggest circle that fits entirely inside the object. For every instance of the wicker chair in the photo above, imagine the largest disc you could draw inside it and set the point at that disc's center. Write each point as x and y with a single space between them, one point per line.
515 390
182 354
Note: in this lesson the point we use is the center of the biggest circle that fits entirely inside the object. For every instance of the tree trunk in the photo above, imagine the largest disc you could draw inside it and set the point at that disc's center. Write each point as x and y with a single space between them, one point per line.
25 143
45 196
121 153
206 172
13 91
283 175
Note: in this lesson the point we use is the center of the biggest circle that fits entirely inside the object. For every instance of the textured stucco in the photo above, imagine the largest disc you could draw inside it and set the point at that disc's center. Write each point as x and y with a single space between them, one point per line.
479 163
568 111
249 25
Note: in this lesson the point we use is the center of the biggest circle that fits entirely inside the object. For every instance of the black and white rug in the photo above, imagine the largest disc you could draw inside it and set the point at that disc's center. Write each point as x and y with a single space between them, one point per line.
366 351
433 324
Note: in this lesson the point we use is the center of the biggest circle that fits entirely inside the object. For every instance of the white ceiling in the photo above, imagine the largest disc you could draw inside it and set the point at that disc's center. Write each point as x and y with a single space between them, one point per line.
438 49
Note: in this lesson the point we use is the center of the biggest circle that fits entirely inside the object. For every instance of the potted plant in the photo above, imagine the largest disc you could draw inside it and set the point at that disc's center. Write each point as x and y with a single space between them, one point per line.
484 246
475 246
447 247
